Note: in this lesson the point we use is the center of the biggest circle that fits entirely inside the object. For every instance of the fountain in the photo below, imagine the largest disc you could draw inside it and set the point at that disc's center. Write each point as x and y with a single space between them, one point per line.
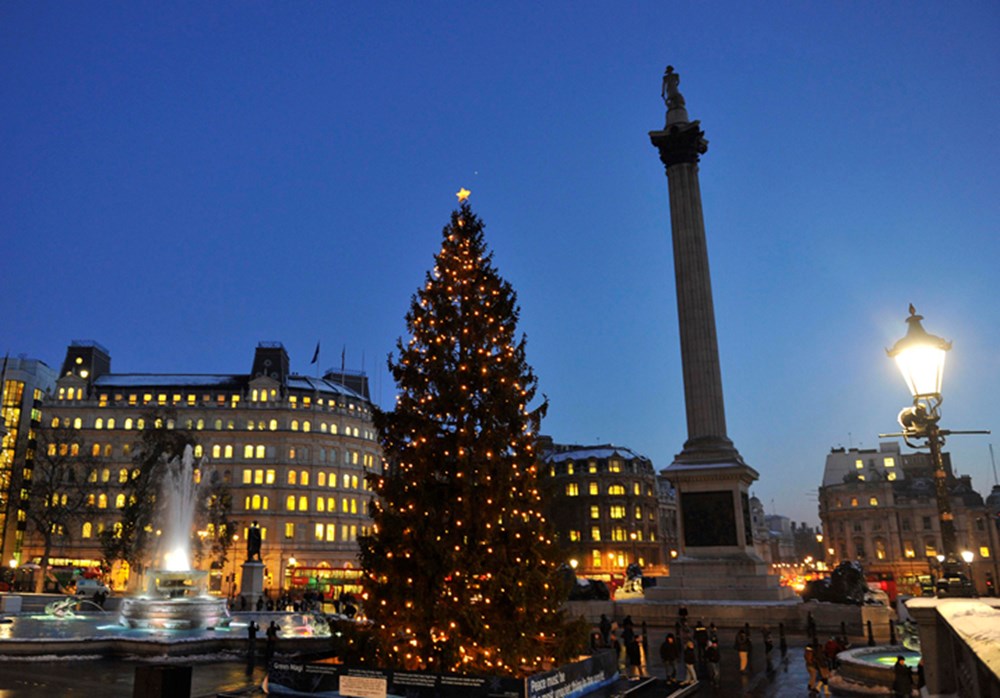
176 597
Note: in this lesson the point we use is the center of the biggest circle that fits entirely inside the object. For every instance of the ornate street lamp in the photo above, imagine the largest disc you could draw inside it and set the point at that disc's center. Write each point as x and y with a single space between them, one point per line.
920 358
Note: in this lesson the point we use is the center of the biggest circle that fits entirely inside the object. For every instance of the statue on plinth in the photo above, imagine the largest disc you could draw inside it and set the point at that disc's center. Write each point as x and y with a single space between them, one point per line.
253 542
671 95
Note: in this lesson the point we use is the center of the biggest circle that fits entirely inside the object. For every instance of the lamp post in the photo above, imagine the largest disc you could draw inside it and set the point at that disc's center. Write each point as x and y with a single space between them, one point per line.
968 556
920 358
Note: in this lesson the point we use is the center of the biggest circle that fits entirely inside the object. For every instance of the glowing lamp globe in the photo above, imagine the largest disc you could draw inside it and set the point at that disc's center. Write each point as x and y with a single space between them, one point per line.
920 357
968 556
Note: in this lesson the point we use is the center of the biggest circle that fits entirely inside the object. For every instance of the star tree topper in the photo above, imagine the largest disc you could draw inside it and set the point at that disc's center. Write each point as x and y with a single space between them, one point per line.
462 194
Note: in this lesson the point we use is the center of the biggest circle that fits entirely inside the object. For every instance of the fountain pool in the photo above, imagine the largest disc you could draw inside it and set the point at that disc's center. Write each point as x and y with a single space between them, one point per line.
873 666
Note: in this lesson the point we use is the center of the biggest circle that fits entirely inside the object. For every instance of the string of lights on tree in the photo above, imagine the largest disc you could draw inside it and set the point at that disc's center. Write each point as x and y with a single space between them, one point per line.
460 566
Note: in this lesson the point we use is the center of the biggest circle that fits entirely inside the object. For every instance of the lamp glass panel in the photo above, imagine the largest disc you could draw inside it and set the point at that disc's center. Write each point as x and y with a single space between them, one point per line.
922 368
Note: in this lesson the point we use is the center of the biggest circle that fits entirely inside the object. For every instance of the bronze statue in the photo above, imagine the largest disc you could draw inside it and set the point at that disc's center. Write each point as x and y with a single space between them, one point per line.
671 95
253 542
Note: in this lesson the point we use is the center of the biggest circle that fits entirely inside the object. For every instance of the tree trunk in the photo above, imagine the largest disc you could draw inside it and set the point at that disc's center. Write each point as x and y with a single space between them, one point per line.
43 564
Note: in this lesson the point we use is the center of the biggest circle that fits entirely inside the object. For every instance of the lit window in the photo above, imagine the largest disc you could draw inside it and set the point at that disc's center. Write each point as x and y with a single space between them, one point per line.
258 477
574 536
120 501
303 503
290 502
572 489
289 530
229 451
859 464
593 489
292 477
889 462
269 477
331 532
247 476
106 475
273 425
595 512
636 489
614 466
592 467
88 529
320 530
304 478
984 552
321 479
595 558
616 490
102 501
595 533
908 549
890 476
569 468
77 423
854 501
248 451
306 425
873 501
259 451
295 424
98 423
617 511
216 451
320 504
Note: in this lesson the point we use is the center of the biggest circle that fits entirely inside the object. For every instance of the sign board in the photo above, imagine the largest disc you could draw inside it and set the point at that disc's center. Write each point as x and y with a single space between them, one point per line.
362 687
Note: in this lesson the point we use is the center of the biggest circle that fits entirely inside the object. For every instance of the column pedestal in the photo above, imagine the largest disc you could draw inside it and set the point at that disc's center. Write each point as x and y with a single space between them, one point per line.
252 581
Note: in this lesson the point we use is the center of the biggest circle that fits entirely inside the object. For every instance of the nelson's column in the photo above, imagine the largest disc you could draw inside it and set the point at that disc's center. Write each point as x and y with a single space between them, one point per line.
716 557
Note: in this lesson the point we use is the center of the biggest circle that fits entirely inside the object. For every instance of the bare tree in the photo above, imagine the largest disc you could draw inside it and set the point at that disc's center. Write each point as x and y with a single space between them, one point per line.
57 490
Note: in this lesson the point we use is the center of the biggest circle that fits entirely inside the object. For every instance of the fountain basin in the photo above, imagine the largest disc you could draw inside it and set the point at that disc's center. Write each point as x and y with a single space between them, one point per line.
185 613
873 666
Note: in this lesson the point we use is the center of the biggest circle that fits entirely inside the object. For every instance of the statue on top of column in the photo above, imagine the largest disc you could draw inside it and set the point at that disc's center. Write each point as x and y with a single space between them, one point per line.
671 95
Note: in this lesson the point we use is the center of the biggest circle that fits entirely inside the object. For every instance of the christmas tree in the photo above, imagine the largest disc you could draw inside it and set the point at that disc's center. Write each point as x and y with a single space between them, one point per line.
460 567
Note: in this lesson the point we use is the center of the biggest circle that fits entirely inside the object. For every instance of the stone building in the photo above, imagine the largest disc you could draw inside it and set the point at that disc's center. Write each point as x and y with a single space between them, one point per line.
879 507
293 449
604 503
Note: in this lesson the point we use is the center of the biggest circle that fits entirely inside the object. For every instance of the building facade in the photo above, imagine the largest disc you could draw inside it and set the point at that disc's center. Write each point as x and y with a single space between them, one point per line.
879 507
604 504
293 450
24 383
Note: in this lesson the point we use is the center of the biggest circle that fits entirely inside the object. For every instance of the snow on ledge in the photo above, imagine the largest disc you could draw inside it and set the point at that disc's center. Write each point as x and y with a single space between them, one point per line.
976 621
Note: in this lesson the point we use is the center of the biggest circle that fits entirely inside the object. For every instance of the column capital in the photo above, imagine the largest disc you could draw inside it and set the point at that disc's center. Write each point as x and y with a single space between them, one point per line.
680 143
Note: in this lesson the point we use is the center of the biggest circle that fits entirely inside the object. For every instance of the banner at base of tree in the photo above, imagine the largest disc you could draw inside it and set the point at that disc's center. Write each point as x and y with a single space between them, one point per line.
575 679
323 680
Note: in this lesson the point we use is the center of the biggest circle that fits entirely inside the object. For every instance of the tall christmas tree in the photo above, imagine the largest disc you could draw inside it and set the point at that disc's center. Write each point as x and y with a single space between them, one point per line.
460 565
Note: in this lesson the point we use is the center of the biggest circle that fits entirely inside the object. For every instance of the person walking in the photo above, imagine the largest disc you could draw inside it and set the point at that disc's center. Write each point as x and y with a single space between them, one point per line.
634 650
619 650
712 658
743 647
822 673
690 658
605 627
810 658
902 679
670 652
700 642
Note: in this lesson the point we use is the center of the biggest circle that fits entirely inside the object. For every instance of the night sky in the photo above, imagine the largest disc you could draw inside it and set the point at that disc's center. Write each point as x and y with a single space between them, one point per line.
181 181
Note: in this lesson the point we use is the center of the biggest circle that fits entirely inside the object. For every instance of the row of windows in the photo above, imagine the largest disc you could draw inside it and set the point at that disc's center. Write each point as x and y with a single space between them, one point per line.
300 503
909 551
616 489
130 423
613 465
617 511
226 451
614 559
262 476
192 399
888 462
618 534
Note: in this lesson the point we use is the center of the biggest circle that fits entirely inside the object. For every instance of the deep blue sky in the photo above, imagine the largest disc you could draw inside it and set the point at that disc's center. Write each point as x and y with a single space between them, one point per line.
182 181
